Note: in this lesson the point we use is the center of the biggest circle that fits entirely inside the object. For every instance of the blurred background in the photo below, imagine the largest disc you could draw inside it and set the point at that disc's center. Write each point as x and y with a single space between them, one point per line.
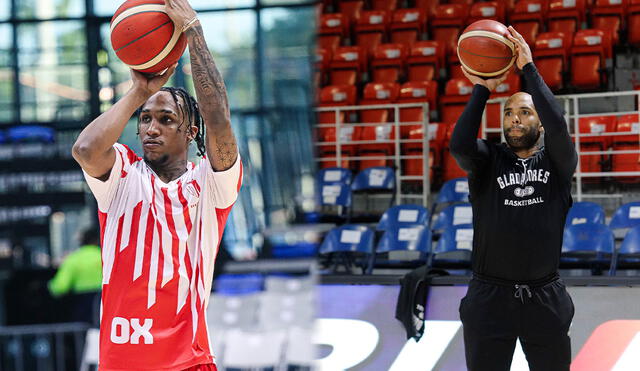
343 111
58 72
390 93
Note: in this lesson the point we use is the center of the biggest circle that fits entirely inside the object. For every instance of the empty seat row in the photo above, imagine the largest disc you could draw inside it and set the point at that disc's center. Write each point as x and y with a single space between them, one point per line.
587 240
377 126
444 22
610 143
580 59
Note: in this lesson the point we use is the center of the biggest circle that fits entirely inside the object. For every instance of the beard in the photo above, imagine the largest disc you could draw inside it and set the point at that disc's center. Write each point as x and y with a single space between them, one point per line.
527 140
157 160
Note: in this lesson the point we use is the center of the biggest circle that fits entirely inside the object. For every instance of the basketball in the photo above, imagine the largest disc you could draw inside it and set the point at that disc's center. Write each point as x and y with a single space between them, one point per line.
484 49
144 37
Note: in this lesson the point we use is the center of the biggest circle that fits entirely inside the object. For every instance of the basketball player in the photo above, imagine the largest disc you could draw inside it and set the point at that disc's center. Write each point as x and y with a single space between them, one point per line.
162 217
520 192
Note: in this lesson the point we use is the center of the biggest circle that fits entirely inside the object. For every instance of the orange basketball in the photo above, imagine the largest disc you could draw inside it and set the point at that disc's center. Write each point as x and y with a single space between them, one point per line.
484 49
144 37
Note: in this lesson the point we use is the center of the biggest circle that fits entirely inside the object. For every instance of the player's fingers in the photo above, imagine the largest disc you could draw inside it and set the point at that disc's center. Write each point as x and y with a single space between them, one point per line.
467 74
515 35
518 35
169 71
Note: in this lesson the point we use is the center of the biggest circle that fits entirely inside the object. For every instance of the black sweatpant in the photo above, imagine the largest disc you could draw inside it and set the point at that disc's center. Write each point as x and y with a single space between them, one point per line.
494 315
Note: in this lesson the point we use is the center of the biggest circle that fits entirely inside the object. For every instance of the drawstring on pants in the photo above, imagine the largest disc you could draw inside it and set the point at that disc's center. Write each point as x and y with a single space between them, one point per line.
518 293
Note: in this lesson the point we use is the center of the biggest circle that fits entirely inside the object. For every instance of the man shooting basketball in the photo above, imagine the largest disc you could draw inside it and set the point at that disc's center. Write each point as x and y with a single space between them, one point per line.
162 217
520 192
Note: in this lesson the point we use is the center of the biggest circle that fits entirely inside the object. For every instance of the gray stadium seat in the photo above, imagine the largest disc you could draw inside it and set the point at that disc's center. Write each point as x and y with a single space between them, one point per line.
238 311
251 349
278 311
288 284
300 349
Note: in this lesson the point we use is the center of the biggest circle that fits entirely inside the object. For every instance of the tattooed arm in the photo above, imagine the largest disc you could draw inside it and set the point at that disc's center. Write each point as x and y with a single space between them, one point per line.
211 93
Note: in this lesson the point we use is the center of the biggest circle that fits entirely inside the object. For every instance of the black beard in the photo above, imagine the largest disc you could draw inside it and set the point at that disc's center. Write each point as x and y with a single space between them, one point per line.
163 159
526 141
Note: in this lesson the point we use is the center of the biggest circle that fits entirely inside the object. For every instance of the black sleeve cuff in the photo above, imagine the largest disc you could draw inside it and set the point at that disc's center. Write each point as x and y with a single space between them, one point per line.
481 91
529 67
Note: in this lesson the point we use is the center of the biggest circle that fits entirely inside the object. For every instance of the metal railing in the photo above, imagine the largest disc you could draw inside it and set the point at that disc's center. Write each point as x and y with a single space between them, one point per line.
571 104
46 347
397 157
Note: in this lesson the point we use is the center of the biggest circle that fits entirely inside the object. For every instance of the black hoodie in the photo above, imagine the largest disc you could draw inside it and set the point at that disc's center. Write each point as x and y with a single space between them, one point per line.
519 205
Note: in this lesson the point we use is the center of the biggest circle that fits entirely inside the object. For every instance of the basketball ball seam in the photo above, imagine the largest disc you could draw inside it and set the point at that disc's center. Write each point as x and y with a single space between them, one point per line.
489 34
148 8
483 56
141 36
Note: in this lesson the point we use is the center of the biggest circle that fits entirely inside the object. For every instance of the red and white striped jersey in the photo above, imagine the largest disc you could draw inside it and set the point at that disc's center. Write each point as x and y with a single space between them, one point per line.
159 243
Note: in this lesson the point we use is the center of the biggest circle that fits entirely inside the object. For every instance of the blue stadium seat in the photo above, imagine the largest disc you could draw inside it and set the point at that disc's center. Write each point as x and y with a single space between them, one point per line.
3 137
453 215
375 179
234 284
31 134
627 216
585 212
349 245
587 246
628 255
409 238
454 247
454 190
333 186
349 238
402 216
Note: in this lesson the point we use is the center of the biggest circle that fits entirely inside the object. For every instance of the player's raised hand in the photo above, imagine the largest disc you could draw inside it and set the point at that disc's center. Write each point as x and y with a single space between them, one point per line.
150 84
523 51
181 13
490 84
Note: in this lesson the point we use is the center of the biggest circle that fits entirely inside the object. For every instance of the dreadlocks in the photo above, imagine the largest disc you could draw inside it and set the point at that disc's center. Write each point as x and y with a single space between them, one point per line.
189 111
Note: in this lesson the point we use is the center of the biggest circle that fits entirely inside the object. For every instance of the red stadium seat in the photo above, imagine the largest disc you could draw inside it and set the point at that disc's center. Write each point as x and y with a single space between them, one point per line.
592 127
437 138
333 28
323 58
388 63
633 23
528 18
407 26
348 63
425 60
333 96
508 5
551 57
450 167
389 5
457 93
429 6
447 23
588 58
487 10
509 87
627 161
371 29
609 15
351 9
565 15
374 94
416 92
454 67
